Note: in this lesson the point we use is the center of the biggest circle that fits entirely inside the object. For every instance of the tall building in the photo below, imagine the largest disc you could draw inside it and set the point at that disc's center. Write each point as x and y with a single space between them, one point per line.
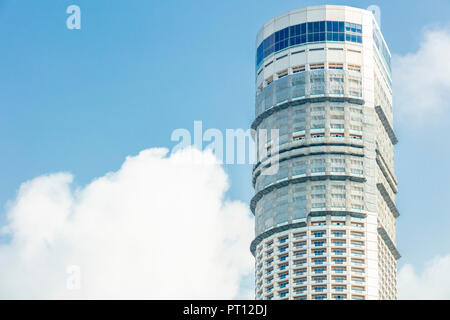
326 220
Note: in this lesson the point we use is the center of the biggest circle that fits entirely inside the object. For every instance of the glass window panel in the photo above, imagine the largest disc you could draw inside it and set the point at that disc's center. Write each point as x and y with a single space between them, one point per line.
335 26
329 36
322 26
359 28
329 26
347 26
317 26
303 28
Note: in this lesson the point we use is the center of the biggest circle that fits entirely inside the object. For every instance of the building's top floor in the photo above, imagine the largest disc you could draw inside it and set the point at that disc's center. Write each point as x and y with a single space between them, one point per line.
319 24
311 14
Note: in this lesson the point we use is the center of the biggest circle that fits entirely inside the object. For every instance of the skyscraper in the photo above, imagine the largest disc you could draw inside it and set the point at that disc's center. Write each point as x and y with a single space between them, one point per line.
326 220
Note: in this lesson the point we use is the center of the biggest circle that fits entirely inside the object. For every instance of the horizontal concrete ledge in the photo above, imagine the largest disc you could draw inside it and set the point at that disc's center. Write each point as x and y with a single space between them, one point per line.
284 183
388 200
296 225
293 147
389 243
305 100
390 178
386 125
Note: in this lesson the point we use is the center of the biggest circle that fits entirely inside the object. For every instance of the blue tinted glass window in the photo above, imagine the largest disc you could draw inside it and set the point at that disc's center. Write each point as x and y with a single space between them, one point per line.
316 26
303 28
322 26
335 26
259 54
294 30
292 41
318 31
347 26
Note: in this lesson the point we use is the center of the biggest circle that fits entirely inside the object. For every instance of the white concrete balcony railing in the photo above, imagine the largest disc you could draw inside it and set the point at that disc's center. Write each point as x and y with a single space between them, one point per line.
338 253
338 244
336 290
338 280
358 281
319 245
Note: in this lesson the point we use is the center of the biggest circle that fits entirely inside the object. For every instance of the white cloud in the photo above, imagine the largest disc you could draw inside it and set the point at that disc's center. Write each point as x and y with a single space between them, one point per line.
157 228
421 80
432 283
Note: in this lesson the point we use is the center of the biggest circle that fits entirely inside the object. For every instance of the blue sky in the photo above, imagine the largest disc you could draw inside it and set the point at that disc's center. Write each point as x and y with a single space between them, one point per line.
82 100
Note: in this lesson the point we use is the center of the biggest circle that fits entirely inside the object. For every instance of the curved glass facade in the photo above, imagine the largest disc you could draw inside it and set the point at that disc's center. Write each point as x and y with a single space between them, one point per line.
338 83
308 32
293 202
321 147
